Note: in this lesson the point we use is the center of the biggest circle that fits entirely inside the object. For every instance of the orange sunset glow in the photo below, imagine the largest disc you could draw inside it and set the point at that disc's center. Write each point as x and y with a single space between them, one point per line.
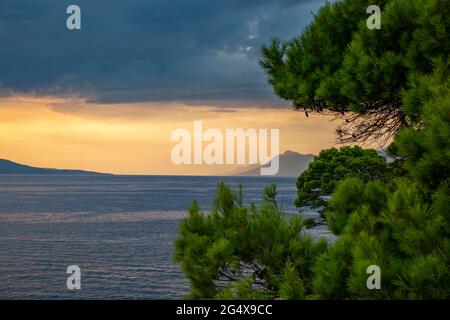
135 138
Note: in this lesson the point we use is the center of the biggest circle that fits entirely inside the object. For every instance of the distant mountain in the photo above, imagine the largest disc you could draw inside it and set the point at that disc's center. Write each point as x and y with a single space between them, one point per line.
291 165
9 167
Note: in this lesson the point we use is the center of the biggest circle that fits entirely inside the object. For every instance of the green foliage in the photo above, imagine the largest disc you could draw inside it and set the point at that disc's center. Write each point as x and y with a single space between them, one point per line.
296 68
401 226
239 252
407 238
245 252
427 151
393 216
292 287
333 165
362 65
331 271
374 79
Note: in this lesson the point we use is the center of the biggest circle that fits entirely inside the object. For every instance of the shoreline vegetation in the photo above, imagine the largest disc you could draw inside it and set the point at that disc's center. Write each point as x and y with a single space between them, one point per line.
390 86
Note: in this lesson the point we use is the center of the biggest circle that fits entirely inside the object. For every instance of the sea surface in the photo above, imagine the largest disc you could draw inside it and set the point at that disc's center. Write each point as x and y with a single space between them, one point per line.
118 229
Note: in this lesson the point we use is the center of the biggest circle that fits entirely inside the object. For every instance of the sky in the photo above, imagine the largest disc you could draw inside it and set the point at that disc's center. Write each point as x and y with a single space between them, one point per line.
108 96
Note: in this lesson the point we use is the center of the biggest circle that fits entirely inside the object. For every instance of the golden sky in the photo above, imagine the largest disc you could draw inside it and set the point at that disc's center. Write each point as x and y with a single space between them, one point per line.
70 133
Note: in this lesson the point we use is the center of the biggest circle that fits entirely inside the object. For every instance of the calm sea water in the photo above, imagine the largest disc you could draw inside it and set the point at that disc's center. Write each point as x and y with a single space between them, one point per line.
118 229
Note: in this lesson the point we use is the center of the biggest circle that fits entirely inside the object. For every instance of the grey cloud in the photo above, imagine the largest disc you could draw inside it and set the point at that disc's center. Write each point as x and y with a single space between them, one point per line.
196 51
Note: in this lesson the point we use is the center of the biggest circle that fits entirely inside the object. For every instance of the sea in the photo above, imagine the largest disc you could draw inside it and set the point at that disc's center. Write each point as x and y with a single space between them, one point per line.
119 230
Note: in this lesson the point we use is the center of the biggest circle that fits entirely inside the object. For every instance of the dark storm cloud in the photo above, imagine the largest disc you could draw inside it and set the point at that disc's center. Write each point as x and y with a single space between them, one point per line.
193 51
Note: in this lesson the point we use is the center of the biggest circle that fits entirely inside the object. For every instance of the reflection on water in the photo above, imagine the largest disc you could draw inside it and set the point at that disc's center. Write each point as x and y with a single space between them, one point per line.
118 229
